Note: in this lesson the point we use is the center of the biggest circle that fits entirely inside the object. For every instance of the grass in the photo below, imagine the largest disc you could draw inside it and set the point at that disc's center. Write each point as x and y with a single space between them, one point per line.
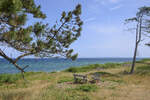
114 85
143 60
106 74
143 70
9 78
92 67
87 87
65 79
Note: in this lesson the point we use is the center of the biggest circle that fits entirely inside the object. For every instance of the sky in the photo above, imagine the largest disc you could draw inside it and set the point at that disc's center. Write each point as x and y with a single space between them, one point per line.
104 33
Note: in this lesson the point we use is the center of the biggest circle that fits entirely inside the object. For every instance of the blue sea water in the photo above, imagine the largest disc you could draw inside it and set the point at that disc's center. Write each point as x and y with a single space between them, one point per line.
49 65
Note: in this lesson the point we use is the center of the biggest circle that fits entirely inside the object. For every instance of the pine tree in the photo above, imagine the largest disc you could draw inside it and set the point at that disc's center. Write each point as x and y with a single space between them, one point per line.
38 39
142 20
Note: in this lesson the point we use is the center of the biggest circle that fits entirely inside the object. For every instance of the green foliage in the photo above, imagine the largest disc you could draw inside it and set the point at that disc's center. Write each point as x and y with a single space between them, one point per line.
87 87
80 69
32 73
112 65
65 79
72 69
106 74
37 39
91 67
143 70
10 6
143 60
9 78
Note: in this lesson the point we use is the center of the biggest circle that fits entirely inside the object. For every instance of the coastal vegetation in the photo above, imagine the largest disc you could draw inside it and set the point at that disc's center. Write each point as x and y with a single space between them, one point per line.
115 83
38 39
41 39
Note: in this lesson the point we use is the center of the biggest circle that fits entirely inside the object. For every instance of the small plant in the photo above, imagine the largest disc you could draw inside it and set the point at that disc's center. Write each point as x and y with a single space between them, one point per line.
72 69
65 79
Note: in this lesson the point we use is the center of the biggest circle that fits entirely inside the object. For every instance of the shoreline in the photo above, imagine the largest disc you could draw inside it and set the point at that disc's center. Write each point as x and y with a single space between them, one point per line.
89 66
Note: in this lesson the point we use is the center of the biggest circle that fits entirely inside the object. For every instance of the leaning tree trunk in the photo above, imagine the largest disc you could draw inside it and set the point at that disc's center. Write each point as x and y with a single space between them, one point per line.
134 58
14 62
138 40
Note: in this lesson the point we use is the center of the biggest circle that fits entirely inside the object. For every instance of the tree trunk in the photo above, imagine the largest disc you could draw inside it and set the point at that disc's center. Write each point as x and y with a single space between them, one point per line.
13 62
138 40
134 58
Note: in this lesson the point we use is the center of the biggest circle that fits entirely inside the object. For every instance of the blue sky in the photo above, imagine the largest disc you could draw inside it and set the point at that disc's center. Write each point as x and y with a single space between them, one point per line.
104 33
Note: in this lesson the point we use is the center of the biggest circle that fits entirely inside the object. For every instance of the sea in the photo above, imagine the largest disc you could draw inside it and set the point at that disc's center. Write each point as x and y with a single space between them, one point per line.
55 64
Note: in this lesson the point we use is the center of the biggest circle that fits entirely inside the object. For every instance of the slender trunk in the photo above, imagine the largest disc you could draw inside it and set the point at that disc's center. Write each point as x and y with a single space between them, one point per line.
12 62
134 58
138 40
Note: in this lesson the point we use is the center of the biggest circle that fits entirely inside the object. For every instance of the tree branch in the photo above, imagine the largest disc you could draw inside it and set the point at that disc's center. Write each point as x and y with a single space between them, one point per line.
59 29
140 29
10 60
26 54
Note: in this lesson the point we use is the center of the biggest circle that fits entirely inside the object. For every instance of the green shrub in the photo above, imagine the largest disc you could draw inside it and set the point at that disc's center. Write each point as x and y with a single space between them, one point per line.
32 73
72 69
143 60
65 79
111 65
105 74
82 68
87 87
92 67
9 78
143 70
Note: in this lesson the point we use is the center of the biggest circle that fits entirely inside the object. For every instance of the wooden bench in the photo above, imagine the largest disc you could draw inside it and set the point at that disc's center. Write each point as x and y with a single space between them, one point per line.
95 78
80 78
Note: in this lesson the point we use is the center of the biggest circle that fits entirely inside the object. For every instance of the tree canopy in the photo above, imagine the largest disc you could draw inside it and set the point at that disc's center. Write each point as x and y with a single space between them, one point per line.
38 39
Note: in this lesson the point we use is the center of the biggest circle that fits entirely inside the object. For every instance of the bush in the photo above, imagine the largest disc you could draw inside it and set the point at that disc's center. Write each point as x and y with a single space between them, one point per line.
143 70
72 69
111 65
105 74
83 68
92 67
9 78
143 60
31 73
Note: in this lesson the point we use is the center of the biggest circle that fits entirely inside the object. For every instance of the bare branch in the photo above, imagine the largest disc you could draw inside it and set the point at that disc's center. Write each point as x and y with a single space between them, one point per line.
26 54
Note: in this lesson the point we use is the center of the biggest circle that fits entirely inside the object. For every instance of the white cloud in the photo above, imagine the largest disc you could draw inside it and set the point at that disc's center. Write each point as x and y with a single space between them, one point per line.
89 19
103 2
98 5
116 7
